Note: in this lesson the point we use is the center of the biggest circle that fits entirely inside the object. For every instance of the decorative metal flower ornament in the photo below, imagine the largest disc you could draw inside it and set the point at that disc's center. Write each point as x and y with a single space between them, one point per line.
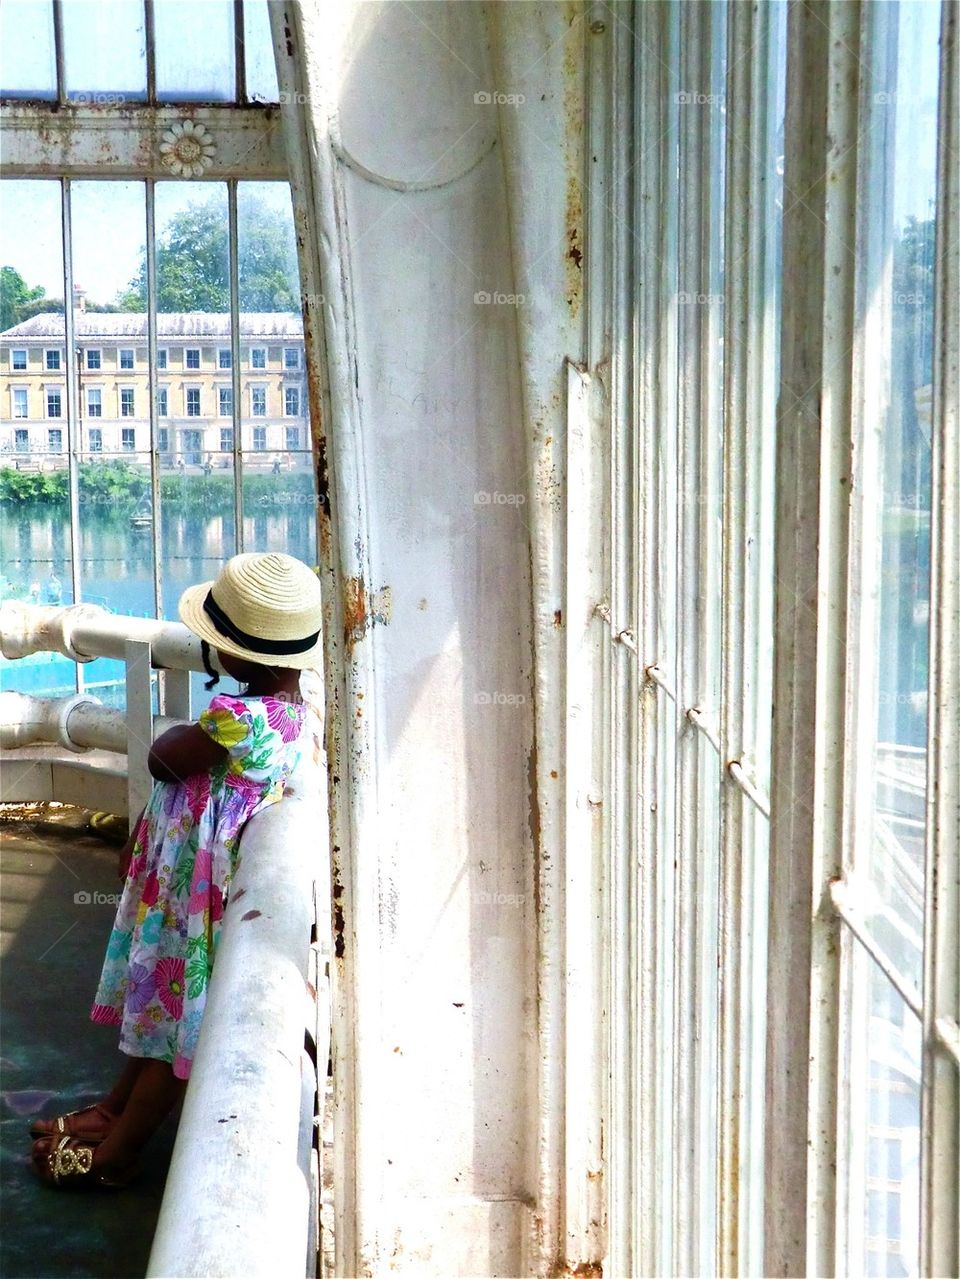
187 149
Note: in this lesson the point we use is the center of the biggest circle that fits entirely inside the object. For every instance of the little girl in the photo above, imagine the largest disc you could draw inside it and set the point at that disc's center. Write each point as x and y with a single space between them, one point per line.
263 617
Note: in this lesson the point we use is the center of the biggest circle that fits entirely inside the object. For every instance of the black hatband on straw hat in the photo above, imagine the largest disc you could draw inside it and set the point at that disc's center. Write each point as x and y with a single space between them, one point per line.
269 647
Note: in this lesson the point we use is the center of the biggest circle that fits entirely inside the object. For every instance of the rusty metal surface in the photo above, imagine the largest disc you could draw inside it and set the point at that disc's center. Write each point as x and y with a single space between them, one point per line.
49 139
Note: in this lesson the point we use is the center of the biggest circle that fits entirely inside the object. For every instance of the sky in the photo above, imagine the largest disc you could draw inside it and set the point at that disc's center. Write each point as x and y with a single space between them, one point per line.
109 227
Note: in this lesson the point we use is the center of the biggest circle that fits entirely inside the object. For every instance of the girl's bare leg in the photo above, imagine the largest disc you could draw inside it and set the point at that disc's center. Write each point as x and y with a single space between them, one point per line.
91 1125
118 1096
155 1092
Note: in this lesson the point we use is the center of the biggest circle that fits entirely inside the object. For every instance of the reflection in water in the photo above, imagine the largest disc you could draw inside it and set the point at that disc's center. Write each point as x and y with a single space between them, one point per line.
116 572
116 567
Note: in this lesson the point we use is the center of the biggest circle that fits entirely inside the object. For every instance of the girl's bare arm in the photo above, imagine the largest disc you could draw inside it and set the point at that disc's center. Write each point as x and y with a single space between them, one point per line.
183 752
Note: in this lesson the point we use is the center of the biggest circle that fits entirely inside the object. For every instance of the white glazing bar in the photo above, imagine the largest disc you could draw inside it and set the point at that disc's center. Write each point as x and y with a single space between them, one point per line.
138 716
239 52
636 1238
657 675
705 725
157 526
709 513
870 377
940 1098
584 740
664 273
71 403
149 32
692 410
813 482
58 51
756 796
846 896
947 1033
746 357
621 680
832 760
235 367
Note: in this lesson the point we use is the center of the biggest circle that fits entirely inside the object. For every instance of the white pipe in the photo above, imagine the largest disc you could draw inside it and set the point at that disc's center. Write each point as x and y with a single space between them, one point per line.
236 1201
78 722
86 631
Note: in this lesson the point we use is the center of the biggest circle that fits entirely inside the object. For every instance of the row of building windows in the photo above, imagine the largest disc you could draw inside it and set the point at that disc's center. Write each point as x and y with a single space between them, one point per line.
192 401
126 358
23 443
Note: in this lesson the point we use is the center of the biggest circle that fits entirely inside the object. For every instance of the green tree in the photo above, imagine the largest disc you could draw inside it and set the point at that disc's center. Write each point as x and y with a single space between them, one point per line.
14 296
192 256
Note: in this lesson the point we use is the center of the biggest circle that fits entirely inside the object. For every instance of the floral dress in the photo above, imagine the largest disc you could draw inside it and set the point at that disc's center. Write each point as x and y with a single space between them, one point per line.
164 939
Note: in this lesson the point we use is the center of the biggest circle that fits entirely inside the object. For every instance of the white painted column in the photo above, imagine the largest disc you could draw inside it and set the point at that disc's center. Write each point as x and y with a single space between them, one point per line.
400 207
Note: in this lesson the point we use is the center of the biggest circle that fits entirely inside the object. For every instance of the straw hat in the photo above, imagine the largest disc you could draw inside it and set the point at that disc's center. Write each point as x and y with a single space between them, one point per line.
265 608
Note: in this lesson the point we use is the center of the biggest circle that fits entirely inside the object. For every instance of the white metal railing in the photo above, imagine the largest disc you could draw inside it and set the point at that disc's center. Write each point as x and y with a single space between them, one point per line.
242 1193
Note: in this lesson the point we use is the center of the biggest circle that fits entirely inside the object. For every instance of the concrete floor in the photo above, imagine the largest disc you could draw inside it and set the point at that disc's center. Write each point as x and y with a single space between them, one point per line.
55 1059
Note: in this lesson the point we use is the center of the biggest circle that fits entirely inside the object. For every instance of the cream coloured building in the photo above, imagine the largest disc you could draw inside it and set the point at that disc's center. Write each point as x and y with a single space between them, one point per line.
195 419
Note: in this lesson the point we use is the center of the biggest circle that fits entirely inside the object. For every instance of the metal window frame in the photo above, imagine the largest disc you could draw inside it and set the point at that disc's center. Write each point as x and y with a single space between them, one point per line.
940 1094
818 929
810 631
66 140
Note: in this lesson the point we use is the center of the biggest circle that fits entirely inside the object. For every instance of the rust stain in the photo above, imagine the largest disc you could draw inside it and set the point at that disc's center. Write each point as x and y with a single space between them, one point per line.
354 611
573 95
337 908
251 914
361 611
558 617
317 432
338 927
587 1270
574 232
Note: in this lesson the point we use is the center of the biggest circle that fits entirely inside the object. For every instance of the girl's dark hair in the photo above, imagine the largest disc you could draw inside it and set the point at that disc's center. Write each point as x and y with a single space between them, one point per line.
205 657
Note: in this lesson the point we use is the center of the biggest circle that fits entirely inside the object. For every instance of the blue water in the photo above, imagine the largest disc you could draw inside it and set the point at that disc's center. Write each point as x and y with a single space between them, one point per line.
116 572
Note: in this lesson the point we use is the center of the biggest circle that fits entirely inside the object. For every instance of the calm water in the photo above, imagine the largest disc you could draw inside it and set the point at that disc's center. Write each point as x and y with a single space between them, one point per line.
116 571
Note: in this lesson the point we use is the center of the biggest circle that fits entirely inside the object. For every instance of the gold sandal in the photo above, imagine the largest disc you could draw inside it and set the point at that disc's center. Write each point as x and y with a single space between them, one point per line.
63 1128
69 1163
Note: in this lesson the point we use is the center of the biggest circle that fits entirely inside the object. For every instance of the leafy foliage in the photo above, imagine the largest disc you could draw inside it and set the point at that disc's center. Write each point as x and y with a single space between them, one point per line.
14 296
192 261
117 487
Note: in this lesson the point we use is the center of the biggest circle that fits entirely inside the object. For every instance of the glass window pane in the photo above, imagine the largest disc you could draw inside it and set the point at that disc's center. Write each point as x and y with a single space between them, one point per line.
27 59
198 534
195 59
35 550
897 269
105 51
258 51
883 1138
279 491
762 445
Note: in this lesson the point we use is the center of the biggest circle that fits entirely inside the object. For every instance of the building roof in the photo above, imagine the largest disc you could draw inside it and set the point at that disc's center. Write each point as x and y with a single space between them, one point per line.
173 324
